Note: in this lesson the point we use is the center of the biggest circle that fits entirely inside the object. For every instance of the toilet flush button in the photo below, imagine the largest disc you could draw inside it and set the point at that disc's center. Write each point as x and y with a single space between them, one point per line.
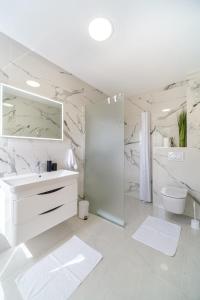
176 155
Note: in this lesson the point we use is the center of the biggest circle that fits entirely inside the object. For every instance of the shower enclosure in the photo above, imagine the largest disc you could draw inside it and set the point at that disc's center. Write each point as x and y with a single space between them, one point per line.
104 159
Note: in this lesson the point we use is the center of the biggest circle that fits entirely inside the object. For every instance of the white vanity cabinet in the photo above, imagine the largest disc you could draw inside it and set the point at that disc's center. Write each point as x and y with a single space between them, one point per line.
32 203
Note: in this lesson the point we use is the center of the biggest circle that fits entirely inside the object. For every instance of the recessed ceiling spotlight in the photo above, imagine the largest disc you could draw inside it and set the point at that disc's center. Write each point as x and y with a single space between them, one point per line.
100 29
8 104
33 83
166 110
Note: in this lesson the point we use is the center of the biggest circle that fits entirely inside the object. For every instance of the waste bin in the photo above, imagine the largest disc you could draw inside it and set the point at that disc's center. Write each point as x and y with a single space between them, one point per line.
83 209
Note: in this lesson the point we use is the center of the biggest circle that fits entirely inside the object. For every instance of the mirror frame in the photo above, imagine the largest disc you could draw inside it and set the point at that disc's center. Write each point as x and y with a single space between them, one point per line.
2 85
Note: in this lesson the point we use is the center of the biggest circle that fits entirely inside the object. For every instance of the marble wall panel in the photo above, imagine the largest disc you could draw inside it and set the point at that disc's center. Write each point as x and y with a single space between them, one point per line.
177 173
186 173
18 64
133 108
164 123
193 103
177 96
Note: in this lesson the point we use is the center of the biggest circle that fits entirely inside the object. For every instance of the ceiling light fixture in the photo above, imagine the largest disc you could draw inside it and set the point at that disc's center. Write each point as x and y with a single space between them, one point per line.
166 110
100 29
33 83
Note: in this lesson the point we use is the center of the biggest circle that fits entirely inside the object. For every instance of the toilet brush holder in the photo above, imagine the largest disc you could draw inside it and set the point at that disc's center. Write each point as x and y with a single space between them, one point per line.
194 222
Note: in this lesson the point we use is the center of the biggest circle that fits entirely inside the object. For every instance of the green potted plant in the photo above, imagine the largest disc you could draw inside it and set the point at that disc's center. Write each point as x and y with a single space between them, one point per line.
182 128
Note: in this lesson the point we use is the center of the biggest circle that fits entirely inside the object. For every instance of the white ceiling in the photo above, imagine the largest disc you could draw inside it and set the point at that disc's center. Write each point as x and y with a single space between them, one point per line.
155 42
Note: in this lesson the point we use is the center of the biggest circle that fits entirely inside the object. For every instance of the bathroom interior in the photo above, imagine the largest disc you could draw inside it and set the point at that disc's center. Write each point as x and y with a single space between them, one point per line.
99 150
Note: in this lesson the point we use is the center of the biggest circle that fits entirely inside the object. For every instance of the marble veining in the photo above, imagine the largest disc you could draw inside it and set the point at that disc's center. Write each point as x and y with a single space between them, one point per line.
172 111
4 74
17 156
26 117
22 156
182 174
194 112
132 124
176 96
164 124
176 84
185 95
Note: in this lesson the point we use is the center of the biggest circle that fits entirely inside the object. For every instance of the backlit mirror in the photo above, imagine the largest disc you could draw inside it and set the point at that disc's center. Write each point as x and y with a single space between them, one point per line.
27 115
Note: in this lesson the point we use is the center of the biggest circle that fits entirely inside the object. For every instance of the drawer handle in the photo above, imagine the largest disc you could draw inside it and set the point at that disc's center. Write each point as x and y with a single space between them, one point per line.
51 191
50 210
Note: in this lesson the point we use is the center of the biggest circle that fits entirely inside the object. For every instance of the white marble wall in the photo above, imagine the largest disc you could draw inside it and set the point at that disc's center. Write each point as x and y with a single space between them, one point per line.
193 97
133 109
177 173
180 173
164 124
177 96
18 64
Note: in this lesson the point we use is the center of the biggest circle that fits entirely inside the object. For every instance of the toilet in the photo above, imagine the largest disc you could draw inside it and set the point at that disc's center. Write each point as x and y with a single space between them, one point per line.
174 199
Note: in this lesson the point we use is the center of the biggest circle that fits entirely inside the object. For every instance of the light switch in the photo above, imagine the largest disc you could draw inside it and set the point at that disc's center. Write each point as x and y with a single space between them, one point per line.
176 155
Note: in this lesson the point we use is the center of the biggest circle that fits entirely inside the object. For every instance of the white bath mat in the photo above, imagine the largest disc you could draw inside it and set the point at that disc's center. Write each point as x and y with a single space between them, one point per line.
60 273
159 234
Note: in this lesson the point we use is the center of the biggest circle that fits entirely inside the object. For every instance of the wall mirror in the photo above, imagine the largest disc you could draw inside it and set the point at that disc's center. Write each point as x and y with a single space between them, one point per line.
27 115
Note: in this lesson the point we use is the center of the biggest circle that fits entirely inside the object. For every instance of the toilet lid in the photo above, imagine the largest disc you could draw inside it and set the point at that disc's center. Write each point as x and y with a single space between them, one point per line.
174 192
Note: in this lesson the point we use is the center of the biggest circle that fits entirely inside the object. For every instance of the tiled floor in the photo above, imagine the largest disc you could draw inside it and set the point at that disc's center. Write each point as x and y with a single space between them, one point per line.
129 270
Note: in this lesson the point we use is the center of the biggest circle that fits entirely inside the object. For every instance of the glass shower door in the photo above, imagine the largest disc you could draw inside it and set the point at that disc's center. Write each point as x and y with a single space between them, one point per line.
104 160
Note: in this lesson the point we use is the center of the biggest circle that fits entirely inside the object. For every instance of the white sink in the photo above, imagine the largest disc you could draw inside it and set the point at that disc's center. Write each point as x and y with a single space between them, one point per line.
19 183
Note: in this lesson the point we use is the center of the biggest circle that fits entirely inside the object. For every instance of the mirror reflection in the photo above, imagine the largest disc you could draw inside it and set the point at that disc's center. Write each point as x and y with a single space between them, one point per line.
29 115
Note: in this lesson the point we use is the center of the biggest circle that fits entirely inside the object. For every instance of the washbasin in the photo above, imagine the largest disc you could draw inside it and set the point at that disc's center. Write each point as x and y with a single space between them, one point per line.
21 182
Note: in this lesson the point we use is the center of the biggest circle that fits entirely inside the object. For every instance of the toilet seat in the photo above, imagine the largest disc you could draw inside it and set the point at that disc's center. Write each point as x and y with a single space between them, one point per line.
174 192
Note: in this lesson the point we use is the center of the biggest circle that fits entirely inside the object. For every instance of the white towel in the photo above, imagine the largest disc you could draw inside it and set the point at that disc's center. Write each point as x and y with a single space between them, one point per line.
71 160
57 275
41 281
159 234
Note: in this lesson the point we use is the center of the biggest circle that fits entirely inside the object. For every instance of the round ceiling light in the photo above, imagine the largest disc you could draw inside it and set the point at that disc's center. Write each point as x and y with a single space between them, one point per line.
100 29
33 83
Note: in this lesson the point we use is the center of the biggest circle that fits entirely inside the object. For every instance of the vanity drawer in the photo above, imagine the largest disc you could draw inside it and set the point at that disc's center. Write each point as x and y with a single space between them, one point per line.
41 223
29 207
